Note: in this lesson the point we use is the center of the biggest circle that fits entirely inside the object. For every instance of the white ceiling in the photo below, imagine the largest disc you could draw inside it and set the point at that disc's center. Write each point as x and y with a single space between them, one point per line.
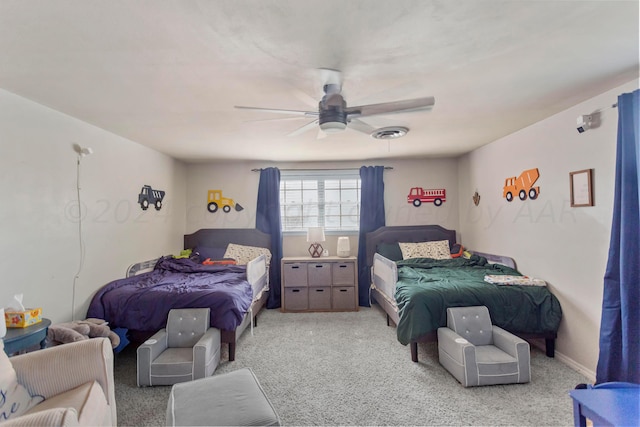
167 74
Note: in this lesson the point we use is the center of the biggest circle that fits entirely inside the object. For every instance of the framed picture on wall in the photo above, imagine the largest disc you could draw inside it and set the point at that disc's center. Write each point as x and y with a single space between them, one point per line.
581 192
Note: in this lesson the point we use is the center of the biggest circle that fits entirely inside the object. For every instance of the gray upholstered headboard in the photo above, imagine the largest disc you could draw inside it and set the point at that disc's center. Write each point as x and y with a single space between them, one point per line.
406 233
221 237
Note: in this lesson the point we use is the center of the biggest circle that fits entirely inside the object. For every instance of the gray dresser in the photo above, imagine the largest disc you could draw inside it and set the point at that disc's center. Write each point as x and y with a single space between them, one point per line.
319 284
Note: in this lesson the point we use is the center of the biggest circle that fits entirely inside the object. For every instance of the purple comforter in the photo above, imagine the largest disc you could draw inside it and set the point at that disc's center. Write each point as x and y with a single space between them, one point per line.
142 302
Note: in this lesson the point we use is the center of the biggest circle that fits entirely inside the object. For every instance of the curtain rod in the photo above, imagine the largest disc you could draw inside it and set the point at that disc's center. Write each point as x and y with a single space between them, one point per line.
326 169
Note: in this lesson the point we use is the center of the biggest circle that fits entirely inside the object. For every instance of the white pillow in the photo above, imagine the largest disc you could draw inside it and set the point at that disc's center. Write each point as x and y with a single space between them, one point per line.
436 250
15 400
243 254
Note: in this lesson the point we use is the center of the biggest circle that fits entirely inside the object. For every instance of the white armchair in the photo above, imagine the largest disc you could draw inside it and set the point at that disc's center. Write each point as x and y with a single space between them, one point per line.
478 353
75 380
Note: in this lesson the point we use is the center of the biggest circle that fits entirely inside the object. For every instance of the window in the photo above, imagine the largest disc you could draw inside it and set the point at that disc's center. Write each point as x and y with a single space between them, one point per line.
320 198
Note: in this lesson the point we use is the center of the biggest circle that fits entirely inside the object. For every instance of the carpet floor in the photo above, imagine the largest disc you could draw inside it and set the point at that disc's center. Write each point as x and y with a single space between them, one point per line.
349 369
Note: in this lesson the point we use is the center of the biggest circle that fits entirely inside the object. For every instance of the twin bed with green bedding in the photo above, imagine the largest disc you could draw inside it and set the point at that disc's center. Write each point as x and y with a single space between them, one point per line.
416 292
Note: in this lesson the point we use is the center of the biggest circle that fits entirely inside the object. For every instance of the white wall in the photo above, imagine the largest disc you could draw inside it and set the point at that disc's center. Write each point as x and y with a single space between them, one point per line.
40 248
238 182
565 246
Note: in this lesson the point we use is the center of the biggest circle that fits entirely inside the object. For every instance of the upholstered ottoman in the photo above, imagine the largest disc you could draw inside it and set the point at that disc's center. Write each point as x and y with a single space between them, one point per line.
231 399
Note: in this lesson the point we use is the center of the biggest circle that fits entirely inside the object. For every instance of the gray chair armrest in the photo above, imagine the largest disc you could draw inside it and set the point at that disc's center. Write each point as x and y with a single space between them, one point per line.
147 353
508 342
453 344
458 356
515 347
204 351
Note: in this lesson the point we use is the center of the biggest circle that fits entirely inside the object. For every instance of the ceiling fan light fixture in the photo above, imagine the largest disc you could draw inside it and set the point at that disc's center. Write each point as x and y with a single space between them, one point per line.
333 127
390 132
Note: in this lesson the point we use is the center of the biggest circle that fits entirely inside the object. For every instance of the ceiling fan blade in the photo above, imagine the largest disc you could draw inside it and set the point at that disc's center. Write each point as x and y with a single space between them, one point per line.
306 127
279 111
274 119
360 126
391 107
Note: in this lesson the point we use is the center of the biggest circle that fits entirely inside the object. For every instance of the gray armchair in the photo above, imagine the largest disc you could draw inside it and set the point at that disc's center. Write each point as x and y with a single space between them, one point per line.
187 349
478 353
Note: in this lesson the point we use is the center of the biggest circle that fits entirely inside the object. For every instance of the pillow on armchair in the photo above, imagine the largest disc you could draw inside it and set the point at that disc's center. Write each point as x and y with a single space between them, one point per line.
15 400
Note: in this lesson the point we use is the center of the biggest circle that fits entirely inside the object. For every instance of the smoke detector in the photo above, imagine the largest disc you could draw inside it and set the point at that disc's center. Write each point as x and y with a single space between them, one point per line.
390 132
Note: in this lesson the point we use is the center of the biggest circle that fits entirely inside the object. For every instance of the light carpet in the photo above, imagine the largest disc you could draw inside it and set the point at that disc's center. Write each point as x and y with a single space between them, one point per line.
349 369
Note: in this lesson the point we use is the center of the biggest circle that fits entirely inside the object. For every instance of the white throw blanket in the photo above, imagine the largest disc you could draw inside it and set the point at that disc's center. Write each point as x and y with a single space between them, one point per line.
514 280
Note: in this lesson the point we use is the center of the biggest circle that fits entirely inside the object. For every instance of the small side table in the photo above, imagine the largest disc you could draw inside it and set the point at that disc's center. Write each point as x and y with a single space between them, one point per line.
19 339
606 406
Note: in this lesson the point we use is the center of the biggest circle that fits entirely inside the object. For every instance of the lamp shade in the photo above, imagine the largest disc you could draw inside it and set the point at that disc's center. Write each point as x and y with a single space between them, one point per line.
315 234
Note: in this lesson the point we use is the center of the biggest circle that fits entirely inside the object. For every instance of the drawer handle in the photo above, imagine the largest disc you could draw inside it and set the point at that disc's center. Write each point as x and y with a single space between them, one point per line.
295 266
295 290
343 290
343 266
319 290
319 266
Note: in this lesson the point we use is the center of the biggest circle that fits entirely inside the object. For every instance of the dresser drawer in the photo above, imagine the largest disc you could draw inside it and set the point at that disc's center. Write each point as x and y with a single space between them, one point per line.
344 274
296 299
294 274
320 298
319 273
344 298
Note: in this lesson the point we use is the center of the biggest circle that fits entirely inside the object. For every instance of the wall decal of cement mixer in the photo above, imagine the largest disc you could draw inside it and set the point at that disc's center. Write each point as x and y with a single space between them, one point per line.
215 201
522 186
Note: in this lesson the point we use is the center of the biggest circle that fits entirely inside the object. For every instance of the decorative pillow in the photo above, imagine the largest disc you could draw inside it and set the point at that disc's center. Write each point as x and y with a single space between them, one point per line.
244 254
207 252
15 400
456 250
436 250
390 251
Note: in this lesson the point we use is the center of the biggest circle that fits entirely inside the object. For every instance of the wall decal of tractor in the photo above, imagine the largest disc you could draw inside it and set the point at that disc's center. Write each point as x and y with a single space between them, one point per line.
522 186
419 195
149 196
215 201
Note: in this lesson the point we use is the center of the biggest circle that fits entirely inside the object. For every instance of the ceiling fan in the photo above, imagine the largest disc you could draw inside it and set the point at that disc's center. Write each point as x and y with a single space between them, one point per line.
333 114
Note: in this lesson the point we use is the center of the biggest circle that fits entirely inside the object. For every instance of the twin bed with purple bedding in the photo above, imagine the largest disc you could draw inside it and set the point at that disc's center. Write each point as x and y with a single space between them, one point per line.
234 293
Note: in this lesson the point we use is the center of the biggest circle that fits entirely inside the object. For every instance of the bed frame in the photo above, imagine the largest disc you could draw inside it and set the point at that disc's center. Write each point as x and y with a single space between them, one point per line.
221 237
422 233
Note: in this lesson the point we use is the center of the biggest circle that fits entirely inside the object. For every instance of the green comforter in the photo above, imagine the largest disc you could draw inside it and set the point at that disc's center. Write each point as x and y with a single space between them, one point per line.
426 287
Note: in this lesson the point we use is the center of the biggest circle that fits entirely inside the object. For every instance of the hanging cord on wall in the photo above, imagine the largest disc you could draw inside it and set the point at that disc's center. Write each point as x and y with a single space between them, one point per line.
81 153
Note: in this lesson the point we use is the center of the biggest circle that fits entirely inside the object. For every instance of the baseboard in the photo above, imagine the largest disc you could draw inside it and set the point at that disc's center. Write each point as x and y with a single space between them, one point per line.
591 375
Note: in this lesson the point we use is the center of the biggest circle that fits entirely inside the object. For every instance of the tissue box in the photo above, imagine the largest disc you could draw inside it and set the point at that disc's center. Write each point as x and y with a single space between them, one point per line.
22 319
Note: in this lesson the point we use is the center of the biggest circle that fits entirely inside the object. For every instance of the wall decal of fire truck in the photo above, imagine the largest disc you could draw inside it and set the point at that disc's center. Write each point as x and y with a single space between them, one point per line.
419 195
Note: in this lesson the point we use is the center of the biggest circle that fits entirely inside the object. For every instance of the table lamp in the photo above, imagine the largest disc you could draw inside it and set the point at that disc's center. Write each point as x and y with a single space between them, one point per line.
315 235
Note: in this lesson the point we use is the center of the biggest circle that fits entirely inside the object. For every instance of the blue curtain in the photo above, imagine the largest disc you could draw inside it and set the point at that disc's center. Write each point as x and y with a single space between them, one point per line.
268 221
619 358
371 218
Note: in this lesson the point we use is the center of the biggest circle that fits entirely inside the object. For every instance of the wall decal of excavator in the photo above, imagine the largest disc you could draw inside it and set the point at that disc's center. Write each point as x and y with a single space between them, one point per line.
522 186
215 201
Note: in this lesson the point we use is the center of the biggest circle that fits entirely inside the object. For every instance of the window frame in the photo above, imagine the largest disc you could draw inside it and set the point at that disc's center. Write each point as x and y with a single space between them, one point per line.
320 175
